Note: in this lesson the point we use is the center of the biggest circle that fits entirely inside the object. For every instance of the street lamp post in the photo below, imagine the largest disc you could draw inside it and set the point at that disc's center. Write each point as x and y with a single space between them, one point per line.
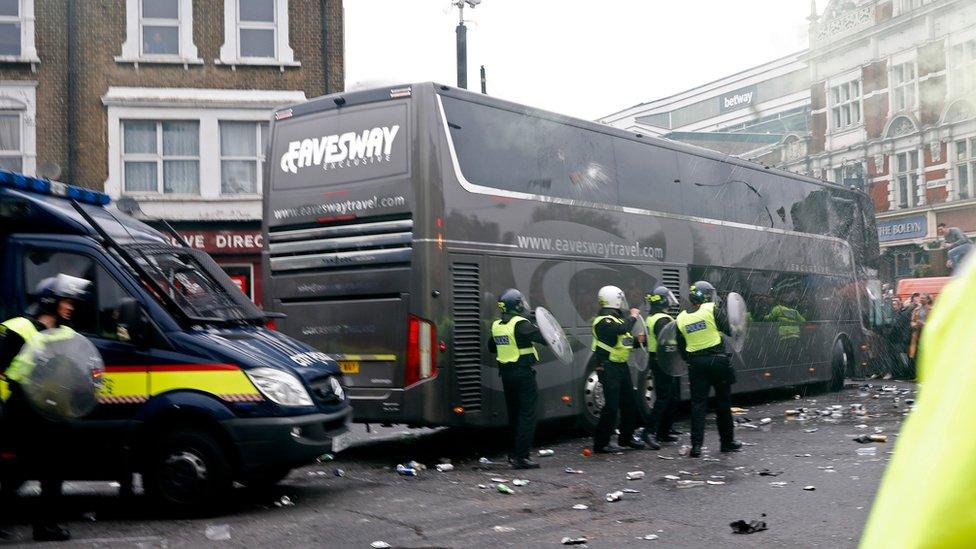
462 42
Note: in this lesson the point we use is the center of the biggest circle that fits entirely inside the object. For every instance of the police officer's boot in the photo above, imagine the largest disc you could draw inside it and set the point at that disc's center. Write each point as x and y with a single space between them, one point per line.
610 448
732 446
50 532
524 463
648 441
695 451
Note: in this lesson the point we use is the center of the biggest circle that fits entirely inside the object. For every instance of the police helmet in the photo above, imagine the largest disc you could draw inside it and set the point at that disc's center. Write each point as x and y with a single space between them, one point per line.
53 289
612 297
661 298
512 301
701 292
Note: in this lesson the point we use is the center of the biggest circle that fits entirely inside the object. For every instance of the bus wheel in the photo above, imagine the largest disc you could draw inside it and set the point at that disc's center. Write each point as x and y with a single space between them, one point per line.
188 471
592 400
840 361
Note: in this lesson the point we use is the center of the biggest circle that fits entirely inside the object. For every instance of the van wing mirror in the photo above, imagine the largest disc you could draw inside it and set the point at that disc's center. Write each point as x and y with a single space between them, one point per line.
132 326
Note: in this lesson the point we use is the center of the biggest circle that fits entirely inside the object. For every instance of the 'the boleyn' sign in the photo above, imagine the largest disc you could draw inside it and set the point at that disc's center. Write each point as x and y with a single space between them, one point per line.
902 229
738 99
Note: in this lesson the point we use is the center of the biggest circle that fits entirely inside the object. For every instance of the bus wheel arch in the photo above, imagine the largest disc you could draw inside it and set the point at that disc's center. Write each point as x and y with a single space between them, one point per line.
841 361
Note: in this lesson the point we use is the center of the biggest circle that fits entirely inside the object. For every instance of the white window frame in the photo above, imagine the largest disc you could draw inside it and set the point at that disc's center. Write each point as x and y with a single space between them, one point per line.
969 184
900 88
158 157
258 158
905 6
28 47
913 182
19 151
957 69
132 47
230 53
20 98
841 109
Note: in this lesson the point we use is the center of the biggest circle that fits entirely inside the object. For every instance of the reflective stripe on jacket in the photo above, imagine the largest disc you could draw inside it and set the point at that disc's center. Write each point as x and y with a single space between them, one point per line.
621 349
651 336
503 334
23 364
699 328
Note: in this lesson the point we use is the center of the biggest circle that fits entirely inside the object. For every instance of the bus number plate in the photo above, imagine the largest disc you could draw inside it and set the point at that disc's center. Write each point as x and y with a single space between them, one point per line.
349 366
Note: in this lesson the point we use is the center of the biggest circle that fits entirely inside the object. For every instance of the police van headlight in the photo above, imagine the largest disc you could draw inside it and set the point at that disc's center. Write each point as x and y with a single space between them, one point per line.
280 387
337 388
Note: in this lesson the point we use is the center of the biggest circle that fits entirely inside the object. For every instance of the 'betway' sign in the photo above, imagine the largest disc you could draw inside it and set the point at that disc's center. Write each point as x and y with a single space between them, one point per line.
737 99
341 150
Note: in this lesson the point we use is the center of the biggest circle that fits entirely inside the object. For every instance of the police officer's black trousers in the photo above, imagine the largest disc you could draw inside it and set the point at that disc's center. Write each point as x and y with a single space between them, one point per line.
520 399
618 400
667 390
704 373
39 444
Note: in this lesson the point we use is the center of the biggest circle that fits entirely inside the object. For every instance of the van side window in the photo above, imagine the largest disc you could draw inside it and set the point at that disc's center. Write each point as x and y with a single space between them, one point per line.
96 316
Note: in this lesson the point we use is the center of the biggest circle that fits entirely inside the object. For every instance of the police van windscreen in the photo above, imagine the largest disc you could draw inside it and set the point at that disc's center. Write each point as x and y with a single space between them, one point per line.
335 147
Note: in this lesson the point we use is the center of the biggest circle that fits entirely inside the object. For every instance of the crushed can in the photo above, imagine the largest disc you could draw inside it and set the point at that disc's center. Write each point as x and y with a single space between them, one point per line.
444 467
635 475
504 489
546 453
614 496
406 471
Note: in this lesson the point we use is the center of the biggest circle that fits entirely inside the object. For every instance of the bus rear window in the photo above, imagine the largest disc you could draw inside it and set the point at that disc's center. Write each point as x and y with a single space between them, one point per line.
340 146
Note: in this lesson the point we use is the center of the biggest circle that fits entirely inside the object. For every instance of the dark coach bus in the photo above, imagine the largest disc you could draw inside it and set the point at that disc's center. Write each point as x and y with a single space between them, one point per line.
395 216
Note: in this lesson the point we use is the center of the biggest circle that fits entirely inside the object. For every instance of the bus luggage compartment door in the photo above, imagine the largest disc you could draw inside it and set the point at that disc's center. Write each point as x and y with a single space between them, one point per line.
361 334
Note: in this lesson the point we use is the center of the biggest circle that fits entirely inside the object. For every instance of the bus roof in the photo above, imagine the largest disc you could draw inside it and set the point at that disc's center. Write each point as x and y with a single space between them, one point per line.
343 99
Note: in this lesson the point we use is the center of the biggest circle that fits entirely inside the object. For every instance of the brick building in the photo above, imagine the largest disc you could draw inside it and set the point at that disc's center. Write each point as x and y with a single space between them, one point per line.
163 103
893 99
890 109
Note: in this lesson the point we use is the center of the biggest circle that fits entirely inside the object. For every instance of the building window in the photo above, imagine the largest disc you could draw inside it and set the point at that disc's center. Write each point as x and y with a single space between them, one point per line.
846 101
962 68
159 31
903 86
256 32
159 24
907 5
161 156
965 161
906 179
17 31
11 151
241 156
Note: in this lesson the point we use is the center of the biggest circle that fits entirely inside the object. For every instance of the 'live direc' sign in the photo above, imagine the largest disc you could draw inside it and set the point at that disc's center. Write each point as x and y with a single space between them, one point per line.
222 241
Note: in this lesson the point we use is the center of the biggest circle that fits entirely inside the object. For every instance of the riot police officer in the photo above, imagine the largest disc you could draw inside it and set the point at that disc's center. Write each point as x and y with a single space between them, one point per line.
700 342
666 386
34 437
612 343
512 339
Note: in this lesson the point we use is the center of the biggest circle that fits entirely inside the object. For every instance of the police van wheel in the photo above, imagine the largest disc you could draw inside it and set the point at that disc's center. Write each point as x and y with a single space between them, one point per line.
592 399
188 471
840 362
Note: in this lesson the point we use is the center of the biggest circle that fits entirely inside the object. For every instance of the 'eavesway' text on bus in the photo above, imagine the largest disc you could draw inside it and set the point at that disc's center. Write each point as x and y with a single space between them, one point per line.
338 148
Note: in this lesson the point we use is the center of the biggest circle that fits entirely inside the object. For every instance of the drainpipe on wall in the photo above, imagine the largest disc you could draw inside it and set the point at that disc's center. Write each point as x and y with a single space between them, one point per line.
72 89
325 45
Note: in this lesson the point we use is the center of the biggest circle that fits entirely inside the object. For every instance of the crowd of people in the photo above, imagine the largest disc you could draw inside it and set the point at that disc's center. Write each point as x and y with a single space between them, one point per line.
904 332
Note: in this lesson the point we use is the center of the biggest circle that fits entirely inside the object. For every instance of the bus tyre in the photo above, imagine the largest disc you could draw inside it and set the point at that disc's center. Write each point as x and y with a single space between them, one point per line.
592 399
188 472
840 362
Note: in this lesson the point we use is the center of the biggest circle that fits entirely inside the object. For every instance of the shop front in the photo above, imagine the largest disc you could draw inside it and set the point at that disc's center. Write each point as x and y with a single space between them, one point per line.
903 252
235 246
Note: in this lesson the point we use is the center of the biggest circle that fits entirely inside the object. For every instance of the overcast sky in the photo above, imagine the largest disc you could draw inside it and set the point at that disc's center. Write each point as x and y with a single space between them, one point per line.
584 58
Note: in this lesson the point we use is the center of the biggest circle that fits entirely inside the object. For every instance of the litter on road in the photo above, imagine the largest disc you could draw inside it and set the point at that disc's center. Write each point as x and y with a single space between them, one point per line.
406 471
574 541
380 545
444 467
519 482
572 471
580 507
504 489
546 453
284 501
751 527
651 537
809 488
635 475
218 532
614 496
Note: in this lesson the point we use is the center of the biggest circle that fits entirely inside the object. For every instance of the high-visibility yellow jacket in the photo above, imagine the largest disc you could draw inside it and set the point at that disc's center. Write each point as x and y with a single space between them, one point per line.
928 494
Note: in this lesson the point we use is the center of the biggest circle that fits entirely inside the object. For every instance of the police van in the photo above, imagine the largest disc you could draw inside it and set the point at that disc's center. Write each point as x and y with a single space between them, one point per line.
197 392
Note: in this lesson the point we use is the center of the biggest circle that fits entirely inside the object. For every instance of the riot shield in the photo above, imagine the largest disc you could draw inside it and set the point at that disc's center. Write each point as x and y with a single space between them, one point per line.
554 335
668 356
637 361
67 372
735 306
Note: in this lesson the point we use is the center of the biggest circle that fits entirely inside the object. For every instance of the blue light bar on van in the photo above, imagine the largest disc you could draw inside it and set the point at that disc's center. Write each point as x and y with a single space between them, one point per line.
30 184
